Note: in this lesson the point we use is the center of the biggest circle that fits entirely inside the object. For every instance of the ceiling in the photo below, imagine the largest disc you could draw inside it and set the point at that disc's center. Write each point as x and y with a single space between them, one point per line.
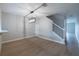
52 8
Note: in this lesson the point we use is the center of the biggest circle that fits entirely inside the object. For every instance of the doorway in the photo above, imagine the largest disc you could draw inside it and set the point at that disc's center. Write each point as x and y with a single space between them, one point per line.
72 43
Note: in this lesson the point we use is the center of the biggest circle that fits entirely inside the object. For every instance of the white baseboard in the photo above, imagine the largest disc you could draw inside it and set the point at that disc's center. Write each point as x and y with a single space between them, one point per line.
17 39
29 36
44 37
41 36
11 40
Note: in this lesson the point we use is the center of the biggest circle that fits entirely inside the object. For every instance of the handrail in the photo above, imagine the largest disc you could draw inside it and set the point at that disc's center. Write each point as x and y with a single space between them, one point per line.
58 26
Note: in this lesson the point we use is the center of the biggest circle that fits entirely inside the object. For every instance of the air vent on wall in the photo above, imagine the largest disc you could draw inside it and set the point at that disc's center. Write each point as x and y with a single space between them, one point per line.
32 20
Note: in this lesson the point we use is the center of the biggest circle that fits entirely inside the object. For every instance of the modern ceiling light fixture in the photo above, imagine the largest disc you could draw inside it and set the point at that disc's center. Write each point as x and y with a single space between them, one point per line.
42 5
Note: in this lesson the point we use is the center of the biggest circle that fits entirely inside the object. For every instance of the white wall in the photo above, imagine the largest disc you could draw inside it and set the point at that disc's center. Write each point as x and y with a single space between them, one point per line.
0 19
14 24
30 28
44 28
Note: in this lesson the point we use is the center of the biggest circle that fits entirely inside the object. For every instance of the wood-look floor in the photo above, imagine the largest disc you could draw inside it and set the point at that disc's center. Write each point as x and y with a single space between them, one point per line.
34 47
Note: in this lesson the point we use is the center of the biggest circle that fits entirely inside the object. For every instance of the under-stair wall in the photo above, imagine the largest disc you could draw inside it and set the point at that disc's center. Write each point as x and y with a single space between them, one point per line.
44 29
